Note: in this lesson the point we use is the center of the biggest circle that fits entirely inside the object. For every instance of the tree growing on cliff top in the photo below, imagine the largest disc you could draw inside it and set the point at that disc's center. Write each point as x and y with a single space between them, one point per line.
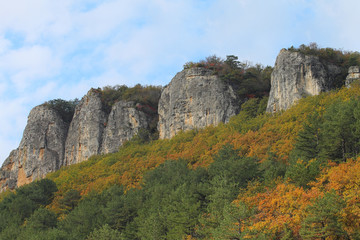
248 80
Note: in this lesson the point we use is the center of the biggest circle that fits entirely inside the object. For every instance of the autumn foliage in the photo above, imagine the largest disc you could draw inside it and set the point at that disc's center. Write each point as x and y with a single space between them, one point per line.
292 175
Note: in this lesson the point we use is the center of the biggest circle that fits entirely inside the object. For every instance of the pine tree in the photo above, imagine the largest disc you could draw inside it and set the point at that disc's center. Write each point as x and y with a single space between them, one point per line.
323 220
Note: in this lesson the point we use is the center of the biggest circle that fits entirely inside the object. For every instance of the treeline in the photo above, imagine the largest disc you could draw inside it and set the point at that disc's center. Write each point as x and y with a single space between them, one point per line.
247 80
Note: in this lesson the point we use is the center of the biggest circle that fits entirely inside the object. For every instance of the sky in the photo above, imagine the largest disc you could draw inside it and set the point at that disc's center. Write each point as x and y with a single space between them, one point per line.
60 49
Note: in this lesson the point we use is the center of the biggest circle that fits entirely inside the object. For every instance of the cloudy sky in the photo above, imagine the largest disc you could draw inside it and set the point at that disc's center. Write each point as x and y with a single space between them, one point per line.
60 49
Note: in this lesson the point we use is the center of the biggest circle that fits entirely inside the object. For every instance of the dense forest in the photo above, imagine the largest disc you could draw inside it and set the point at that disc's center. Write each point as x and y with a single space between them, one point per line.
290 175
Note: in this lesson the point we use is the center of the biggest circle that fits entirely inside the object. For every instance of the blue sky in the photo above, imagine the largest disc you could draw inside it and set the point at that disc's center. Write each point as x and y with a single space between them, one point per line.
60 49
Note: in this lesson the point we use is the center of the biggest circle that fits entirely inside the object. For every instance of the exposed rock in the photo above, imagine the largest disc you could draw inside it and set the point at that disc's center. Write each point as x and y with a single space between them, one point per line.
41 149
86 129
296 76
354 74
195 98
123 123
49 143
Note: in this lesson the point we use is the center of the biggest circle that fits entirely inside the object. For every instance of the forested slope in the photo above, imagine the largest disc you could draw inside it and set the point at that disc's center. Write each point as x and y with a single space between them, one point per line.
293 175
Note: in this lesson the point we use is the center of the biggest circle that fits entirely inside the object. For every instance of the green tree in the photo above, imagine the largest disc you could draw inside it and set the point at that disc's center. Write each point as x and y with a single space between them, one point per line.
173 196
104 233
307 145
236 217
236 169
339 141
86 217
70 200
65 108
41 220
323 220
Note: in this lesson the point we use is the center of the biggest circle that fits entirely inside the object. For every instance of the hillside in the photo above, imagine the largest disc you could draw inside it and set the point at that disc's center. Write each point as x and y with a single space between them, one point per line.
290 174
256 173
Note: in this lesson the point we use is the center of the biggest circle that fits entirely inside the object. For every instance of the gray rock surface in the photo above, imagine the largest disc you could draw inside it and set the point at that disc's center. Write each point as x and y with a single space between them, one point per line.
296 76
353 75
86 129
124 122
41 149
195 98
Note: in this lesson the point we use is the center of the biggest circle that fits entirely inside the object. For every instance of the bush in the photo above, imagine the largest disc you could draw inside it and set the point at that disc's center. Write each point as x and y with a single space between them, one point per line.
64 108
247 80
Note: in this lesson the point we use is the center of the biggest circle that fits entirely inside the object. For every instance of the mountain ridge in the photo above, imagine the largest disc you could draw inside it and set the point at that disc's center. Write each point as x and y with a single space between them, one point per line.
203 94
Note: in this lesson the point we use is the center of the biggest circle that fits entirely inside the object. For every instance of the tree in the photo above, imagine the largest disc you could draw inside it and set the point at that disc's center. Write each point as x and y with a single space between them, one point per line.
70 200
307 145
65 108
323 220
86 217
234 168
41 220
236 218
104 233
232 62
339 141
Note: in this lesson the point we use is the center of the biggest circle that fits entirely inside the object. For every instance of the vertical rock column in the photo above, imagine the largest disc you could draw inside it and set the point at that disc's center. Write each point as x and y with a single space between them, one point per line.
86 129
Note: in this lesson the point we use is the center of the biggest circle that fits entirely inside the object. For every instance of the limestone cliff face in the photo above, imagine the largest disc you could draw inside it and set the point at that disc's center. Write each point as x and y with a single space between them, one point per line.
86 129
296 76
49 143
123 123
353 75
41 149
195 98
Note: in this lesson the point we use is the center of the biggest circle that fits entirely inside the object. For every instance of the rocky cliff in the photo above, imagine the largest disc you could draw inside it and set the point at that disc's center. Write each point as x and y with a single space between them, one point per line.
86 129
41 149
195 98
296 76
353 75
123 123
49 143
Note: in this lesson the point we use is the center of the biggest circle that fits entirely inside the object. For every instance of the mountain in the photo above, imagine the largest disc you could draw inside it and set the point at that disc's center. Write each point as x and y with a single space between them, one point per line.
289 175
203 94
49 143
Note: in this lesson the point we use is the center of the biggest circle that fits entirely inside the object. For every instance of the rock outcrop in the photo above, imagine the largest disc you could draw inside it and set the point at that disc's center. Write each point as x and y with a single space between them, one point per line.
353 75
49 143
123 123
86 129
41 149
296 76
195 98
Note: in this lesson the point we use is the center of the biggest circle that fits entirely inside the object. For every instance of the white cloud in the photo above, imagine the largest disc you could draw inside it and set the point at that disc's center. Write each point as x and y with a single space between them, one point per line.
26 65
4 45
